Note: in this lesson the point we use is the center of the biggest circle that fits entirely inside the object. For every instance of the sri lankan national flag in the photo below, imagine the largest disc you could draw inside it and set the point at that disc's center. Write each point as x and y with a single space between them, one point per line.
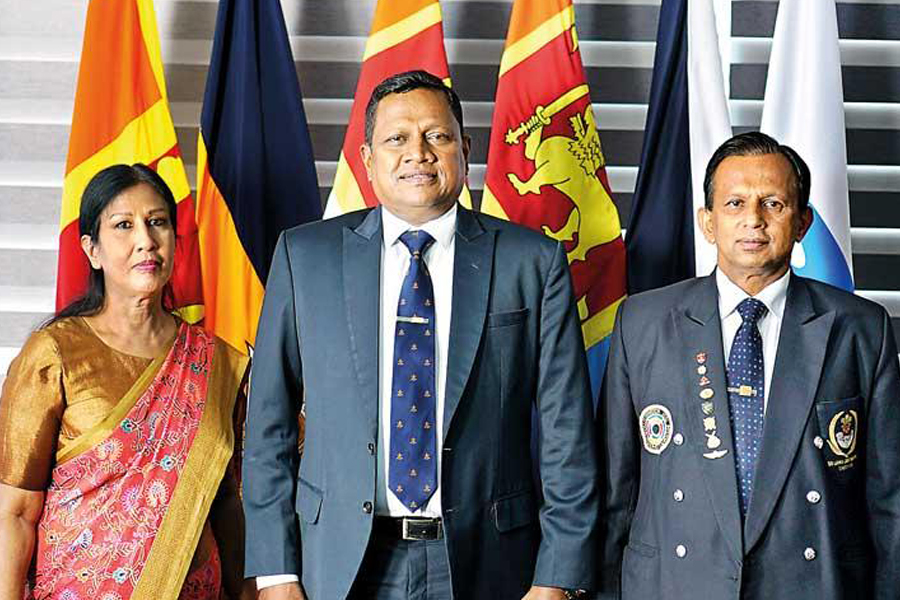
255 170
546 168
122 116
406 35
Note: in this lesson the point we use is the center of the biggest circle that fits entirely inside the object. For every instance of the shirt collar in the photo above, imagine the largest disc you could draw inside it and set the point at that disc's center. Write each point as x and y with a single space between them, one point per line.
773 295
441 228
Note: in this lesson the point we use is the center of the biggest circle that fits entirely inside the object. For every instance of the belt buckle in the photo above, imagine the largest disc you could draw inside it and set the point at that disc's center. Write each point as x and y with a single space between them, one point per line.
420 533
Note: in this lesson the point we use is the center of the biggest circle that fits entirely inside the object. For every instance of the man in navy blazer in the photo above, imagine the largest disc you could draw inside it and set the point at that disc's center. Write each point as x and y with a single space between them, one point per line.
735 473
507 340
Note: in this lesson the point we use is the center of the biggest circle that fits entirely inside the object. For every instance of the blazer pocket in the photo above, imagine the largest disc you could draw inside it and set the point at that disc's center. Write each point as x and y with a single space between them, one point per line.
841 428
642 549
309 501
501 319
514 511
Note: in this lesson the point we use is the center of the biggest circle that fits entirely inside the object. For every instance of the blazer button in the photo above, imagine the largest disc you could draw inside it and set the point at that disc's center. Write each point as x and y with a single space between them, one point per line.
367 507
370 447
678 495
678 439
680 551
813 497
818 442
809 554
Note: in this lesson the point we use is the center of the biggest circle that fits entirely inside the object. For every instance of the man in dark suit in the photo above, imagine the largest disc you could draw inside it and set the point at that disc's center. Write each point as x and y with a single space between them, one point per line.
419 336
750 419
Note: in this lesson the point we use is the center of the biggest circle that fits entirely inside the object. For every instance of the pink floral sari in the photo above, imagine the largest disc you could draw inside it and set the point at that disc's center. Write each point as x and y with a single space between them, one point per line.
128 499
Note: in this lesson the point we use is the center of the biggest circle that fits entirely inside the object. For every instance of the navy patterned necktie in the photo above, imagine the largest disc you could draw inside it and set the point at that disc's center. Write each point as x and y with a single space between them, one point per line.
746 393
413 467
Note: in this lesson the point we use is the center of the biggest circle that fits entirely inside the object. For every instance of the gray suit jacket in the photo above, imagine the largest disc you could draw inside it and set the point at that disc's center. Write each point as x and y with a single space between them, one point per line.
515 343
823 523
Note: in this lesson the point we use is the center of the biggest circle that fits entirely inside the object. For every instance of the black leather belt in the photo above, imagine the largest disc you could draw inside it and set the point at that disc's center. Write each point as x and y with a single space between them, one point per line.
408 528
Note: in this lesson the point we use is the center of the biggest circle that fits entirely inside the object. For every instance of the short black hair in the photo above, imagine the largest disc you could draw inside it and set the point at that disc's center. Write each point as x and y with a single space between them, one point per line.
755 143
407 82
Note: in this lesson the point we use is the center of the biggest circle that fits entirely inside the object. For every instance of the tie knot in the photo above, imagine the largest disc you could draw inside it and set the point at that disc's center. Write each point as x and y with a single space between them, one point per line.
417 241
751 310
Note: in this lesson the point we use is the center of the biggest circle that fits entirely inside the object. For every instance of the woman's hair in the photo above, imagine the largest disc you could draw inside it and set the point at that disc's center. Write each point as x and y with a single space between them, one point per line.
102 189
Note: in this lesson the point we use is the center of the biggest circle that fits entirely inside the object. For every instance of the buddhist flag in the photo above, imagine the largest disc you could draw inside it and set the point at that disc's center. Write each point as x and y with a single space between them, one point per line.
122 116
407 35
804 108
546 168
255 171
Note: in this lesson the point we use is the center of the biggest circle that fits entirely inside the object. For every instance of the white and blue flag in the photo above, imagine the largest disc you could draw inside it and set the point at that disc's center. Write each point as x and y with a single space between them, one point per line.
804 109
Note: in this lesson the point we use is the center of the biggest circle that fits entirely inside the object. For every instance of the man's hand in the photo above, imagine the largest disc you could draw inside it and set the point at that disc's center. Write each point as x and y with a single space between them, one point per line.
285 591
544 593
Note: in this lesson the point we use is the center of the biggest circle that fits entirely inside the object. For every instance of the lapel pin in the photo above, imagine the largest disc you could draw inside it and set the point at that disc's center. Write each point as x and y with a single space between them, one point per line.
704 380
656 428
707 393
707 407
701 358
701 370
713 441
709 424
715 454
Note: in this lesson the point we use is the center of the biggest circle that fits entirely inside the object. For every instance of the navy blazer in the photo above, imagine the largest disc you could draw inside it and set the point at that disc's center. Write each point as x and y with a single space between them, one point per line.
515 343
824 517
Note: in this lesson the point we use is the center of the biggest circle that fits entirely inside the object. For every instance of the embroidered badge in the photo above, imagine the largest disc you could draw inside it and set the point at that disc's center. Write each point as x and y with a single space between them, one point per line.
656 428
842 437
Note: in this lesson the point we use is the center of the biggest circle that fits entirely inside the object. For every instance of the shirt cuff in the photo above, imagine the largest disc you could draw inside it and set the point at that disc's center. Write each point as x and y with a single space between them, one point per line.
265 581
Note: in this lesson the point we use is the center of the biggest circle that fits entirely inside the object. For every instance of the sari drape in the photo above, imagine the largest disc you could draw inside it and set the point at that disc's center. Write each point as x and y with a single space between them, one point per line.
129 498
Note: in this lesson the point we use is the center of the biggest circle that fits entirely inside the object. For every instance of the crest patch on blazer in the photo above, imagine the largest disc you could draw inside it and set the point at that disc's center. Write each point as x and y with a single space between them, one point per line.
843 432
656 428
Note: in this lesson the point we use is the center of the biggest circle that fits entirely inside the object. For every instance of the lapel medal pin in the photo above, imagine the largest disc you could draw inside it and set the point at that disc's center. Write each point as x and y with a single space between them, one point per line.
656 428
713 455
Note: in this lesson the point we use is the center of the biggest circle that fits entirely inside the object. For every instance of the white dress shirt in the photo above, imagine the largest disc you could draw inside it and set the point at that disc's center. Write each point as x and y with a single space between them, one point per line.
774 297
394 266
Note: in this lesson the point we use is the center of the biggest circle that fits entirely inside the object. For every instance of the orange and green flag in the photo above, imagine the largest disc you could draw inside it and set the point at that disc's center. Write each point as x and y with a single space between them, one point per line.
122 116
546 168
406 35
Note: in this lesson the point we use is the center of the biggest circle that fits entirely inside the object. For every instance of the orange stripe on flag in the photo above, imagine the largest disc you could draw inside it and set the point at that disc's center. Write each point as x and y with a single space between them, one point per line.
528 16
231 287
390 13
116 83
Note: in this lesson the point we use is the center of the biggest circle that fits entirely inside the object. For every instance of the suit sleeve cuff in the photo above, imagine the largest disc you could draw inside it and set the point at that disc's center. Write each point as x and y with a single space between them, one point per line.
264 581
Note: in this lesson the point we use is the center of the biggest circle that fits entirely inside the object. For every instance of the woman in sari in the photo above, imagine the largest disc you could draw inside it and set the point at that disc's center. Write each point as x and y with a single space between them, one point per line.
117 426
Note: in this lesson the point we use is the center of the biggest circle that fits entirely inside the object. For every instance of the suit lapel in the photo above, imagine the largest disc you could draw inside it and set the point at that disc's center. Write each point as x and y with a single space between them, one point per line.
701 333
362 271
798 366
472 266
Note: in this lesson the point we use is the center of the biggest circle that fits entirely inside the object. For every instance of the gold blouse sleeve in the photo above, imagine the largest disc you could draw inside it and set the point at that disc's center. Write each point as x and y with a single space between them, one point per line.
31 407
